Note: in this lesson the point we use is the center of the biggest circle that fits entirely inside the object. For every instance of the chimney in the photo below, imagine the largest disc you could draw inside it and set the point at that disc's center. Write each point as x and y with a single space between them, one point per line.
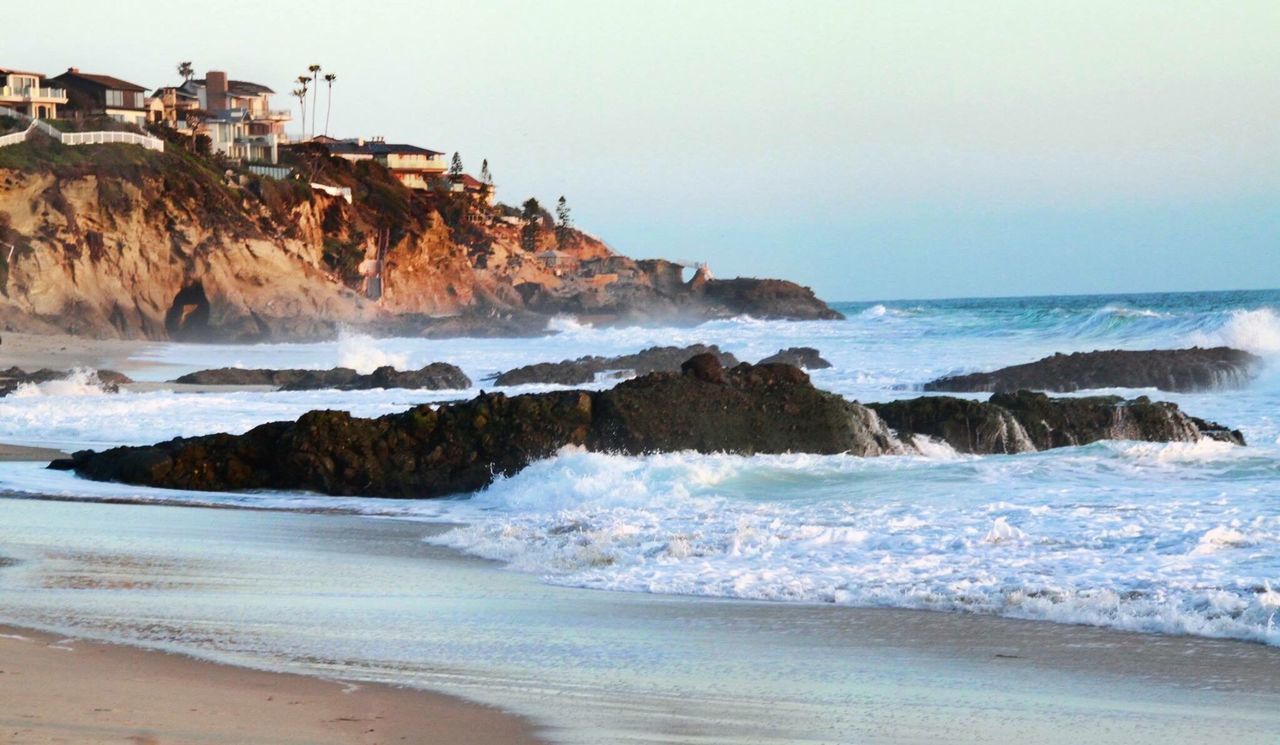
215 91
73 70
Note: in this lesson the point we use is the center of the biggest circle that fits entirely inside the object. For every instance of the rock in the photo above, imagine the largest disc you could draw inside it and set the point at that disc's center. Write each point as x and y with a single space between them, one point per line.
1025 421
1166 369
436 376
806 358
109 380
585 369
461 447
705 367
427 452
766 298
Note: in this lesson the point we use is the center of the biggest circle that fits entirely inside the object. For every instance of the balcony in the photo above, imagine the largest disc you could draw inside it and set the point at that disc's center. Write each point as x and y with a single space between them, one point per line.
278 115
33 94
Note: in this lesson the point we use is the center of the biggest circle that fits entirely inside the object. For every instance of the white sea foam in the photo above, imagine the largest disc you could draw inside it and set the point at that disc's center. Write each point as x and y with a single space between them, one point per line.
974 535
1256 330
362 353
79 382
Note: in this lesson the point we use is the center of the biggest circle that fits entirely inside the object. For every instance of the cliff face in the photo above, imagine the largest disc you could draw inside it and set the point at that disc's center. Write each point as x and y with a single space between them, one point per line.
116 241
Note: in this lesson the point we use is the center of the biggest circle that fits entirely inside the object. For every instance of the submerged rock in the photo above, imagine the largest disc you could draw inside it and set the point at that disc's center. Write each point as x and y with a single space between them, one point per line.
585 369
436 376
108 380
747 409
806 358
1166 369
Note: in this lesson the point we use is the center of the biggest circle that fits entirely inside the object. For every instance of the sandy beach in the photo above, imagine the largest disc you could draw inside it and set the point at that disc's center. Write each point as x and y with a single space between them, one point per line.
34 351
57 690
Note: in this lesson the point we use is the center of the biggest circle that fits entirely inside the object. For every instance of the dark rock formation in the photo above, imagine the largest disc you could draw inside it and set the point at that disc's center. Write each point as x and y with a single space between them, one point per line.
766 298
1165 369
584 369
430 452
436 376
805 358
109 380
1025 421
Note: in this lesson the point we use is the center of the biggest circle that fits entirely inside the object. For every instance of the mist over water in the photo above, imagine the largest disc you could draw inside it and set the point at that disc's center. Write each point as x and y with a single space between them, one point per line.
1179 538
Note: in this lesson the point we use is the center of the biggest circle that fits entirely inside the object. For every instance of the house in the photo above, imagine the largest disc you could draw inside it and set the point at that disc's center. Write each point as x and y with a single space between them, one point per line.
415 167
175 106
471 186
27 93
90 95
236 115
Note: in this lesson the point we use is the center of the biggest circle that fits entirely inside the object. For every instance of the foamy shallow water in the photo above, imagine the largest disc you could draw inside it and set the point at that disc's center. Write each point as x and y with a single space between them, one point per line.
1168 538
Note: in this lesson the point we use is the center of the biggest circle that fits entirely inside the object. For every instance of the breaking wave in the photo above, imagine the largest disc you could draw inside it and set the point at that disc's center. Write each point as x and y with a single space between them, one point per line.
951 533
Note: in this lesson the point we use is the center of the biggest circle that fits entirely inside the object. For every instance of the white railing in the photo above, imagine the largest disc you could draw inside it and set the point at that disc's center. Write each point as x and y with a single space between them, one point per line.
14 138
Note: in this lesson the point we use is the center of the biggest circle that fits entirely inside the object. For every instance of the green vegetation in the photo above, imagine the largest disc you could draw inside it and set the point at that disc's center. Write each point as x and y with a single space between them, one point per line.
343 258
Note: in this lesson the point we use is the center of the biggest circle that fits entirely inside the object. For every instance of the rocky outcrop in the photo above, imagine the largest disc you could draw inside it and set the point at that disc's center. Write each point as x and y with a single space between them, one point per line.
1025 421
427 452
805 358
460 447
109 380
1176 370
436 376
766 298
585 369
117 241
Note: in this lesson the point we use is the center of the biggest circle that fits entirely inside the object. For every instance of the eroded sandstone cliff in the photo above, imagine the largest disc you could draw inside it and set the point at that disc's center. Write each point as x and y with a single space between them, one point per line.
114 240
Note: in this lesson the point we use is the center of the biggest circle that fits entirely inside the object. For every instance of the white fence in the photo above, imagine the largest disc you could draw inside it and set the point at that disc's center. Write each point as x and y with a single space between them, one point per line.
77 138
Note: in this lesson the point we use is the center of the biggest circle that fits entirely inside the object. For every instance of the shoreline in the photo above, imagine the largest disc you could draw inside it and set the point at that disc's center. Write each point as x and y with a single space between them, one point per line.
57 689
462 626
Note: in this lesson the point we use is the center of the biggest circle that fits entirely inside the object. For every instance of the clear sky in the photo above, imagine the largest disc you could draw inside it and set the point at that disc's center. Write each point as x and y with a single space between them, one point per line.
868 149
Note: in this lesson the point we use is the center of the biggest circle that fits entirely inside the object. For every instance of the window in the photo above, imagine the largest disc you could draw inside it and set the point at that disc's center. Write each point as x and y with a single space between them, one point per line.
115 98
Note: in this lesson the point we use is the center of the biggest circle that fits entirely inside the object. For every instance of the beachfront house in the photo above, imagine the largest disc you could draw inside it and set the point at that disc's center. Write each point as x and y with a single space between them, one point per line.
28 93
90 96
471 186
236 115
415 167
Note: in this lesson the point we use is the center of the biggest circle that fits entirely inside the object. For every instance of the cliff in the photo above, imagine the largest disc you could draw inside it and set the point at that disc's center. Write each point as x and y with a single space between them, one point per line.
114 240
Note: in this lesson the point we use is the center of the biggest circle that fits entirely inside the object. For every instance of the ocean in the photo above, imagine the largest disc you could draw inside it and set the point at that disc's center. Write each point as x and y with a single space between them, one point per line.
1170 538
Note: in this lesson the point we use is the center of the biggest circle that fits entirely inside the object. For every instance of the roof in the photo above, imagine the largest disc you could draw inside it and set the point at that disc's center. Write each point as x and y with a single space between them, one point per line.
240 87
471 182
177 91
376 148
103 81
8 71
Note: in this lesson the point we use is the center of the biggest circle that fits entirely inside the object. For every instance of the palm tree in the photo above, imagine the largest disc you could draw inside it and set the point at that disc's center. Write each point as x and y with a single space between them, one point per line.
328 104
186 70
315 75
305 81
301 95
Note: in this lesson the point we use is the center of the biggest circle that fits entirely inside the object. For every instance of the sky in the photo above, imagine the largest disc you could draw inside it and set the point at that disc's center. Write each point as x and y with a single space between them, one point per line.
870 150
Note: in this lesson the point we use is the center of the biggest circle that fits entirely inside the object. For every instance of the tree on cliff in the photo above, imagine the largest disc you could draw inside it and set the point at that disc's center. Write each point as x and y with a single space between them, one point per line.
532 216
455 167
301 93
564 221
186 70
328 103
315 77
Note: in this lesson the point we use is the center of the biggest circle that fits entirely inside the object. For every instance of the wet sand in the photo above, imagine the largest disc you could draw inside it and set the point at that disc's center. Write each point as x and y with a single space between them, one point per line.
35 351
57 690
359 598
10 453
